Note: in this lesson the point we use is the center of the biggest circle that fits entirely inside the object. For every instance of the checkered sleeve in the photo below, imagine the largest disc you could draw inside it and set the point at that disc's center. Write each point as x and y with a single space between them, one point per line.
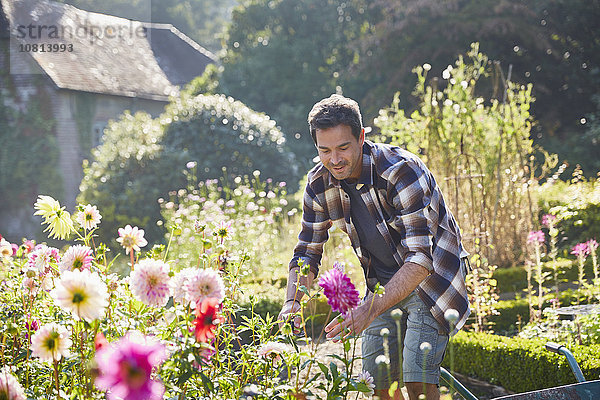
314 232
411 196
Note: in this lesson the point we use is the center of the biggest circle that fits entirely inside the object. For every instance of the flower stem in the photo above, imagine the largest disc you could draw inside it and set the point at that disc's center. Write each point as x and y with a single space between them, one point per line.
132 260
56 379
169 244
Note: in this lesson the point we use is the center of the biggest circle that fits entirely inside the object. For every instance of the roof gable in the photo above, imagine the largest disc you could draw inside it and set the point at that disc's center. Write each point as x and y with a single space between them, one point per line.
110 55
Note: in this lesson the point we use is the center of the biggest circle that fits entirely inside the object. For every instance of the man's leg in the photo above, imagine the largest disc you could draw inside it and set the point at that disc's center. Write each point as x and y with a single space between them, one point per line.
374 349
424 348
414 389
384 394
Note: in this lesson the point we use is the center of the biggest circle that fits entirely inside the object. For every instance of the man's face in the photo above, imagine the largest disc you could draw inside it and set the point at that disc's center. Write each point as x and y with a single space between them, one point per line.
340 152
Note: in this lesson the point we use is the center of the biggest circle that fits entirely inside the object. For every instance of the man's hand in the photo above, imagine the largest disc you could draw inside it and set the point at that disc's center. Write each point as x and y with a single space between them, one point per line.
355 322
287 311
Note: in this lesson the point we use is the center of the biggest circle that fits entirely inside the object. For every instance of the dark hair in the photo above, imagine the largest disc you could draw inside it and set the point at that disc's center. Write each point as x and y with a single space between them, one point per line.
333 111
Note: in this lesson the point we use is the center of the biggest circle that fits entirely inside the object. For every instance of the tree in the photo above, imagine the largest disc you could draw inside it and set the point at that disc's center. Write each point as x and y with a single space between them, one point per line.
282 56
143 159
551 43
415 32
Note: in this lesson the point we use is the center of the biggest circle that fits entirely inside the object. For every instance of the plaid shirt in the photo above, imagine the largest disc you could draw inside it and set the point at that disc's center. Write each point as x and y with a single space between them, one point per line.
403 198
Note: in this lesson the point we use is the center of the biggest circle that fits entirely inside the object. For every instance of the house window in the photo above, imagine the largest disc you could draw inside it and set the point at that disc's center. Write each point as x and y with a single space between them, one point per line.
97 132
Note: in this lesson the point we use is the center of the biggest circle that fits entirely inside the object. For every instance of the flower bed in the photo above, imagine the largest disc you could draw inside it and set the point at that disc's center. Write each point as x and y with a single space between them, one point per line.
70 328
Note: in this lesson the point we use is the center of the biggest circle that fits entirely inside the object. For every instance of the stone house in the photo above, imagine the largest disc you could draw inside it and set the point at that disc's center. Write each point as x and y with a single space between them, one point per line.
91 67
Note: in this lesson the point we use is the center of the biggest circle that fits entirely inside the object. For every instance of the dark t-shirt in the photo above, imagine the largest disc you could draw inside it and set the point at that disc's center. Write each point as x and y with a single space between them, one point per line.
382 264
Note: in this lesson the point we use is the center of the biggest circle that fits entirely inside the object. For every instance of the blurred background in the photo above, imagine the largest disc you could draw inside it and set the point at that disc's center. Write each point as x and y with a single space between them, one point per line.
228 85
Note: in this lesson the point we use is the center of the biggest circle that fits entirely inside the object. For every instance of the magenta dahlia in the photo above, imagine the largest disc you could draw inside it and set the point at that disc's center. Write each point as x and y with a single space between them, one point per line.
341 294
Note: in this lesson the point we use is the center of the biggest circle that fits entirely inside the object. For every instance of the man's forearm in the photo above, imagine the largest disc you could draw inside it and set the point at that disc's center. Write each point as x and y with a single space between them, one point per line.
404 281
307 281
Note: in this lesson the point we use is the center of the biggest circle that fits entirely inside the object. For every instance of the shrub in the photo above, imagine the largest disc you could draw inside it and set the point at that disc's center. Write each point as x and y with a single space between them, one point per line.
517 364
511 279
29 154
141 159
577 206
511 314
514 279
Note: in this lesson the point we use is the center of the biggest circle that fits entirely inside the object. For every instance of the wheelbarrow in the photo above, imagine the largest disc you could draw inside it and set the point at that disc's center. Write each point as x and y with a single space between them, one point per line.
588 390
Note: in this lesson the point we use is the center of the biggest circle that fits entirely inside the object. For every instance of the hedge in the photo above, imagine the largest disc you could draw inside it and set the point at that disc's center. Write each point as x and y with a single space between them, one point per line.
514 279
509 311
518 365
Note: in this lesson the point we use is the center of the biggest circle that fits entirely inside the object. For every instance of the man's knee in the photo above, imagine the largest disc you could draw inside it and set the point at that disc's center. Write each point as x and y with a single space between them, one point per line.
414 389
383 394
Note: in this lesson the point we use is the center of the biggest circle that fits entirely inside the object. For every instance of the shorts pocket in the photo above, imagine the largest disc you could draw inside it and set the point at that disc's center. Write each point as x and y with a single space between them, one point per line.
428 334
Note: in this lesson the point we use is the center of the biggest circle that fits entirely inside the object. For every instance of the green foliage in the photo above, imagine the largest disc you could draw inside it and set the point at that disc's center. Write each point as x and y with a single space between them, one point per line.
29 151
282 56
245 210
502 361
583 330
551 43
207 83
514 279
511 279
512 316
478 148
482 291
250 351
577 206
141 159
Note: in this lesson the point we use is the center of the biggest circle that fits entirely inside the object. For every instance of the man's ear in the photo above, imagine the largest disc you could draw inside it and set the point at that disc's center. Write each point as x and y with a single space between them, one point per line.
361 138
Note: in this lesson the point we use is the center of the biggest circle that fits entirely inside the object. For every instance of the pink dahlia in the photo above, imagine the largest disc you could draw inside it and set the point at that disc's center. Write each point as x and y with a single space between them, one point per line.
88 216
202 284
51 342
77 257
178 284
10 388
42 258
274 350
6 249
341 294
536 237
580 250
126 367
131 238
149 282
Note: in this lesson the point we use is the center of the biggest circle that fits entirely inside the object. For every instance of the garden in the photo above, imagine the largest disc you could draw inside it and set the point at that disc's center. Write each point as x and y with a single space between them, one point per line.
118 308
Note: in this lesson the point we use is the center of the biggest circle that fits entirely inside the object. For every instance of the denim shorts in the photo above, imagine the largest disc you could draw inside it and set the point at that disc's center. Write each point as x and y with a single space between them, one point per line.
417 326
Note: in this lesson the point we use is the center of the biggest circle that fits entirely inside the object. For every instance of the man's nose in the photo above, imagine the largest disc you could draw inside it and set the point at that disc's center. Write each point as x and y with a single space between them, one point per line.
335 157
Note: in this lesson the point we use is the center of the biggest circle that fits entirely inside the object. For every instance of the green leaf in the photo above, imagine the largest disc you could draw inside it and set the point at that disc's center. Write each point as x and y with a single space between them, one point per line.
208 384
334 370
184 377
325 370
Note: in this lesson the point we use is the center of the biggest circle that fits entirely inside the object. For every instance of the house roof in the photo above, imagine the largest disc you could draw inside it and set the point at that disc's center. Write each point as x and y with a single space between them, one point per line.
110 55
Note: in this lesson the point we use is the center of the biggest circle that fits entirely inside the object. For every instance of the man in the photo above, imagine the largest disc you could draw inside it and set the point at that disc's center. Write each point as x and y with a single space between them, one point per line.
389 204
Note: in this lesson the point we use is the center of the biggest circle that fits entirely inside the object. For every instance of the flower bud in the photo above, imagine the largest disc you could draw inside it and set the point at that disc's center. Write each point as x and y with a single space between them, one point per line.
451 315
396 314
425 347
